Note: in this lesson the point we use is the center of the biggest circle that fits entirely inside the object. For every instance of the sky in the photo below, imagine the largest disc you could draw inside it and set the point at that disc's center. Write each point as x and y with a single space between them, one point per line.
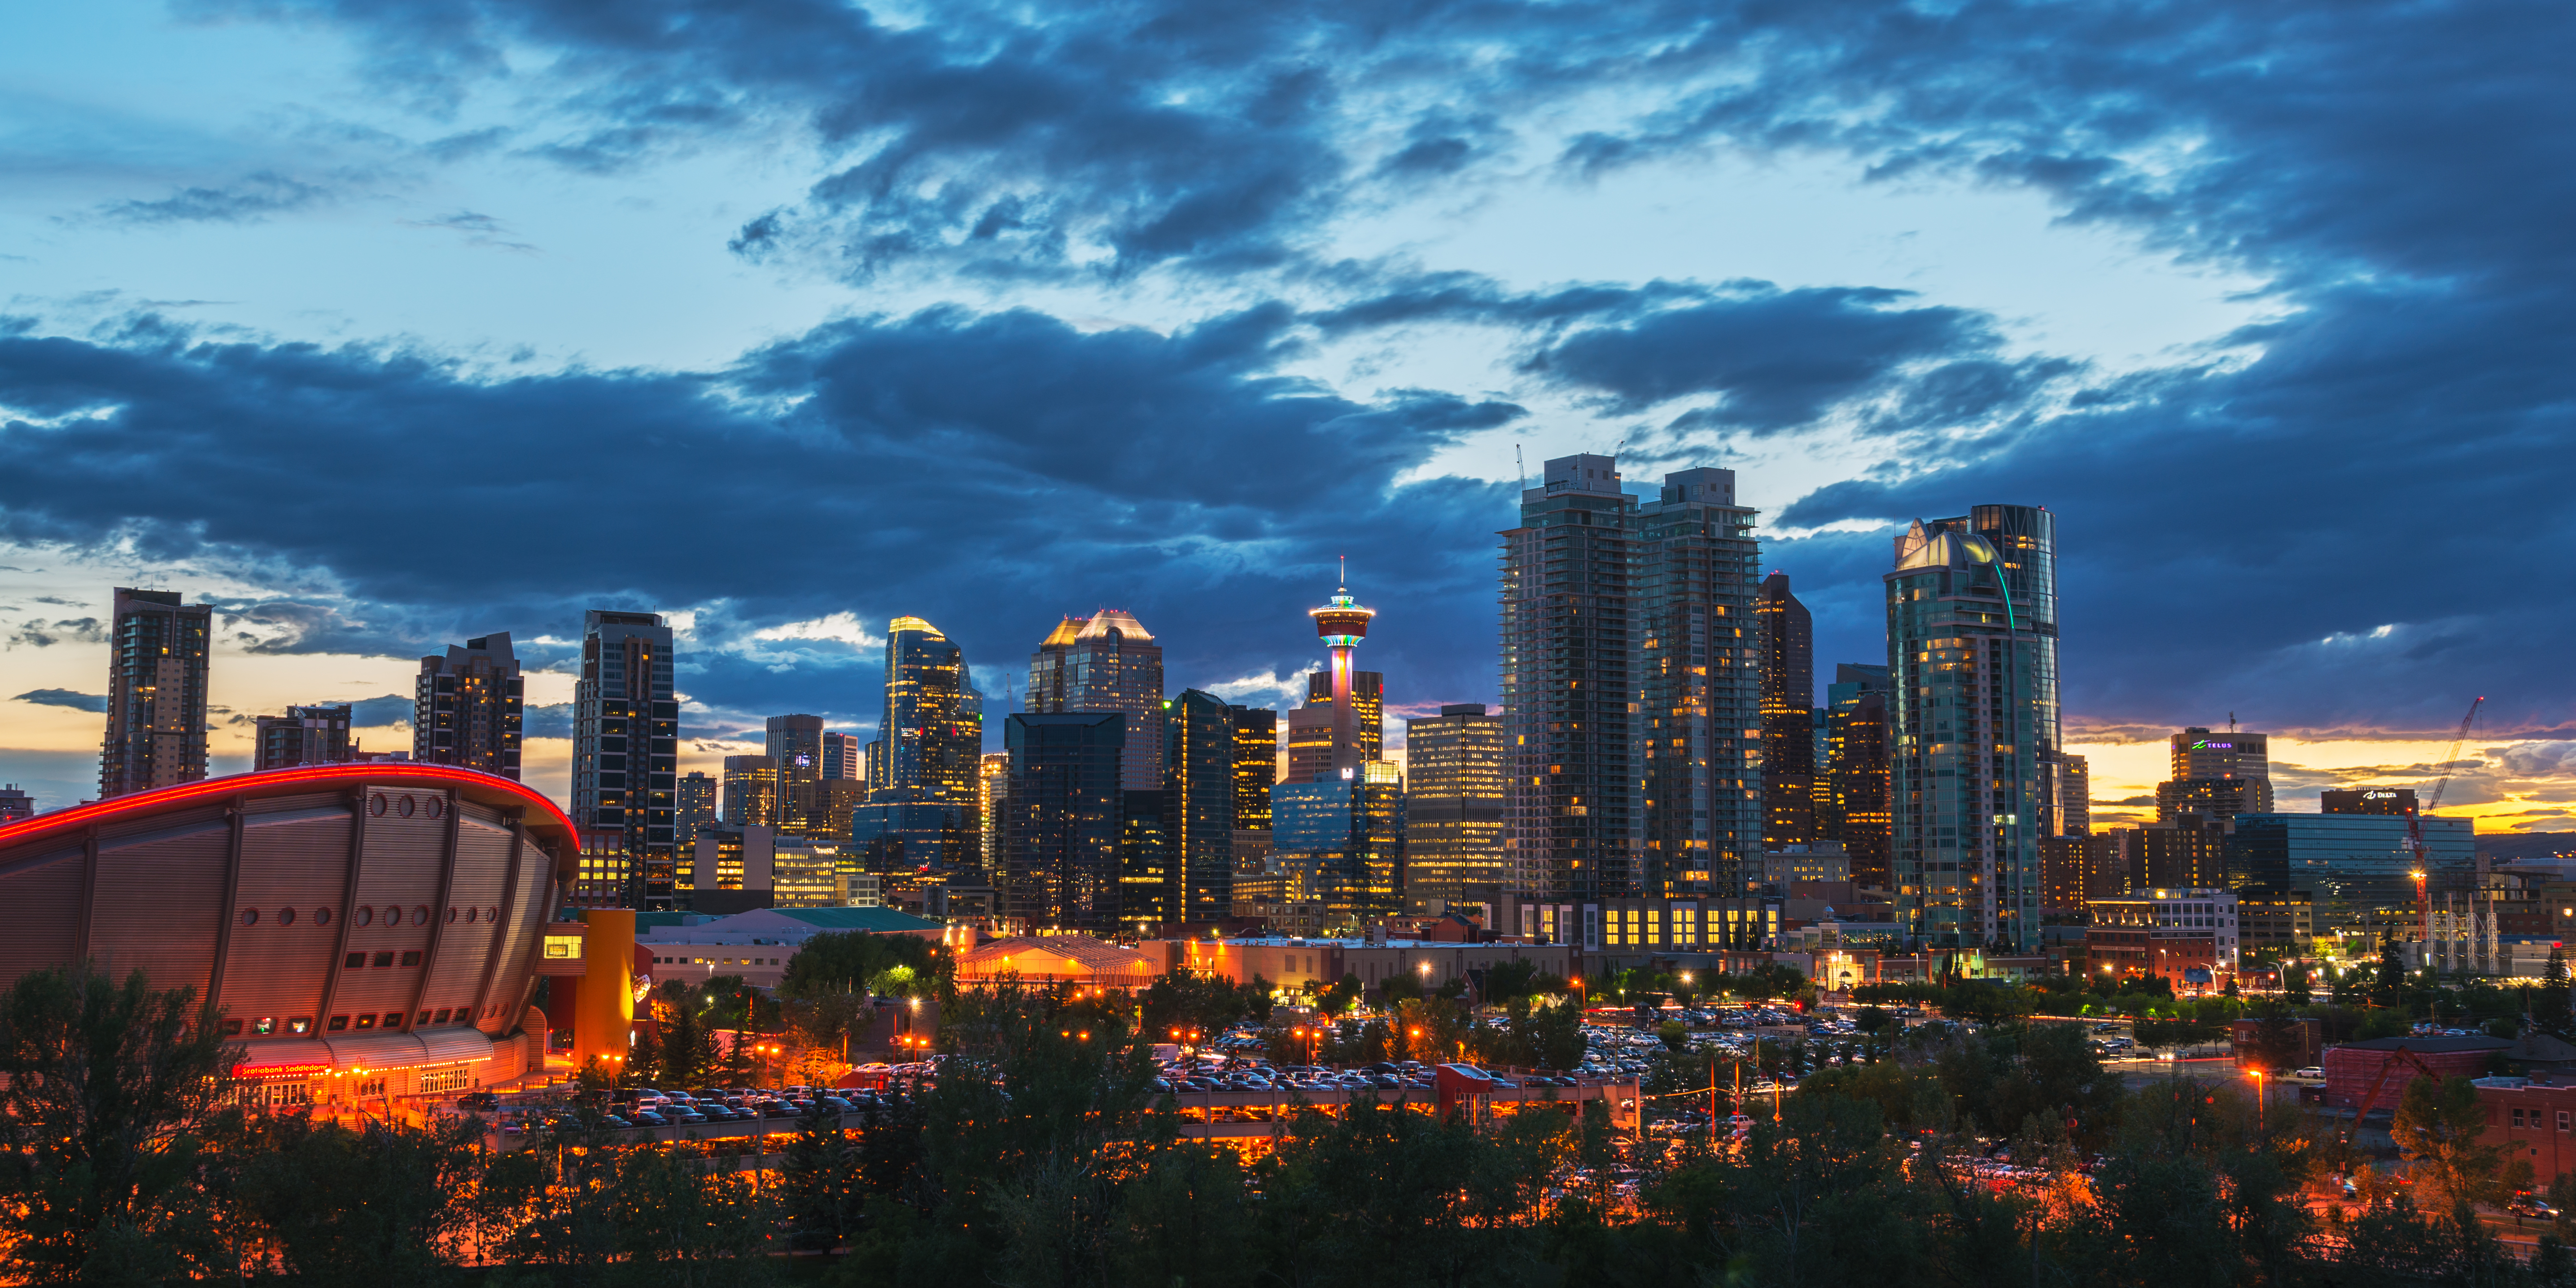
381 325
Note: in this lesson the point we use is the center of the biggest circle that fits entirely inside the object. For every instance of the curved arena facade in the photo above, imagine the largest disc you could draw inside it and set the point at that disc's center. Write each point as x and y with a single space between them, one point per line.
368 931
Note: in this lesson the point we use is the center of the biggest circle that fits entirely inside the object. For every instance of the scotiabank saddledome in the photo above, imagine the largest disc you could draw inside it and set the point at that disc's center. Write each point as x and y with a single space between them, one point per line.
368 930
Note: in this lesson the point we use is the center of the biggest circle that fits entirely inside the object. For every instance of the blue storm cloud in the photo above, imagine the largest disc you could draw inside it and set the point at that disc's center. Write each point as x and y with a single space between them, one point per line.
988 472
64 698
2387 449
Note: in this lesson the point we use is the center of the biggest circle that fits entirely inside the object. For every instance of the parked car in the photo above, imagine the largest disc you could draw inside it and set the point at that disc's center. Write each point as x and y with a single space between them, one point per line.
2311 1071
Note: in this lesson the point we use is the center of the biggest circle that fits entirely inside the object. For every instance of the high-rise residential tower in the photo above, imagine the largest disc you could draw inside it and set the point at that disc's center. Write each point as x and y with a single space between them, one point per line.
1631 691
466 707
694 809
1453 810
794 744
158 651
1106 662
1972 646
2074 796
1698 684
626 762
2219 774
1572 822
316 735
1062 819
1788 655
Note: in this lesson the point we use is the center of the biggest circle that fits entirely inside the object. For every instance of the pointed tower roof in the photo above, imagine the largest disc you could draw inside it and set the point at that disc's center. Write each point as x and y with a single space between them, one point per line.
1119 620
1065 633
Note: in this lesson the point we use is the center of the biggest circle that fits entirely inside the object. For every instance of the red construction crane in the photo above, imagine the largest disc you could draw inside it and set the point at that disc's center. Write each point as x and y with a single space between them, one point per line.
2371 1097
2415 827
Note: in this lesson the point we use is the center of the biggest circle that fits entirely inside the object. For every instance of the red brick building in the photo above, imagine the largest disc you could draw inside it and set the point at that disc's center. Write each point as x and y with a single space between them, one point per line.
2538 1117
2352 1069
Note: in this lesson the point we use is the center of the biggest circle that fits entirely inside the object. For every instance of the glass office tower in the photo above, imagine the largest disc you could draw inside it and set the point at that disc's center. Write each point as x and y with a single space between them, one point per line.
1453 809
1788 699
1972 651
1106 662
1198 806
1063 819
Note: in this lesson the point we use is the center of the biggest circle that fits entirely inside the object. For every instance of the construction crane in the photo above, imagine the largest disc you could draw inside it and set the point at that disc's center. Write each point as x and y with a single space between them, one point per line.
2371 1097
2415 828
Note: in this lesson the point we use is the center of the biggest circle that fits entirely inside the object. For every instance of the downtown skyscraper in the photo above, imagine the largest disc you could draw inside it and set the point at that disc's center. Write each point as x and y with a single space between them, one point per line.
1630 690
794 745
1788 656
933 726
1972 656
625 762
1453 810
1106 662
1699 688
926 799
158 650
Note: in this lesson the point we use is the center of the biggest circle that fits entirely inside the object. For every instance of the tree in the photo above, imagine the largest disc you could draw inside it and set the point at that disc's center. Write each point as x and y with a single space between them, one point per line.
2549 1002
2440 1126
112 1114
2295 986
383 1205
1507 982
2392 969
643 1060
688 1042
820 1183
1340 996
833 963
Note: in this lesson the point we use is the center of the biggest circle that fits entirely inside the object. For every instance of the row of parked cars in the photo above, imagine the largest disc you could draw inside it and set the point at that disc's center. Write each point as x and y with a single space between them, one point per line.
647 1107
1249 1073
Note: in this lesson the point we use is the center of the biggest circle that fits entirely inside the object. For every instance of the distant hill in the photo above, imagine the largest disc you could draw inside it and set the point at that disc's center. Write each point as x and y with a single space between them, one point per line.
2514 847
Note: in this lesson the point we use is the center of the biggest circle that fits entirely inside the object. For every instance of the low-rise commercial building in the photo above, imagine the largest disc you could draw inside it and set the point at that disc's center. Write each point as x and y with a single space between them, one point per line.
2378 1070
2168 932
692 947
1291 964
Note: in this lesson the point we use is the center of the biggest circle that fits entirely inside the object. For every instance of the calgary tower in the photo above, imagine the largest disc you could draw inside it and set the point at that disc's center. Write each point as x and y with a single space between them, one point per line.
1343 624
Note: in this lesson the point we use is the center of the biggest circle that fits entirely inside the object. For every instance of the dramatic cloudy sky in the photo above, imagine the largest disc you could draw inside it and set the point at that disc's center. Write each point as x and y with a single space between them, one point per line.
383 324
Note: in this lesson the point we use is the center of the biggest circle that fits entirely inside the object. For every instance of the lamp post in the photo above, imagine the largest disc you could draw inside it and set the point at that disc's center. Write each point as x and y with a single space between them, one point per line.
2258 1100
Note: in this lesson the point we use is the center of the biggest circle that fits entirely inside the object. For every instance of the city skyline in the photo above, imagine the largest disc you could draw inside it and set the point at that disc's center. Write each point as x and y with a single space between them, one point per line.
1178 351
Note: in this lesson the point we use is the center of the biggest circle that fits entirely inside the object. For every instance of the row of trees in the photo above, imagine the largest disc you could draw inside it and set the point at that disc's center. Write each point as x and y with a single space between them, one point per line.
1043 1160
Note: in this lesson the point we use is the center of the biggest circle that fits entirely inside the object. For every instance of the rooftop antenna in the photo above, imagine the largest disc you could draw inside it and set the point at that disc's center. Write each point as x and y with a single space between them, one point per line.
1346 571
2231 724
1521 465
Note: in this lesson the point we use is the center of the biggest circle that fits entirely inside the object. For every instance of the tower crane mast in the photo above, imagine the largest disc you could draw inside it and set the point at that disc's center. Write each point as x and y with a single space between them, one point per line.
2415 828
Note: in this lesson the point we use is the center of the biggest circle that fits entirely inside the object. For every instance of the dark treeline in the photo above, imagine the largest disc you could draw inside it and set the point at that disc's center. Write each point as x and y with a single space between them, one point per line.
1042 1159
